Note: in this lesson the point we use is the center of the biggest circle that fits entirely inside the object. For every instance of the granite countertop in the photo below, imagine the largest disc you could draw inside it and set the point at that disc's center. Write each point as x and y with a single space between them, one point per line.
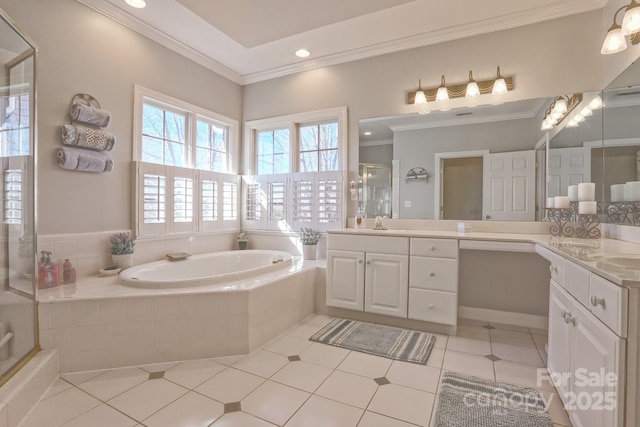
601 256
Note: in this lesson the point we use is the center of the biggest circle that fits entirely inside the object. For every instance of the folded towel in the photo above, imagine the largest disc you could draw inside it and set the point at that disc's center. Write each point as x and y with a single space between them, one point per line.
84 160
87 114
87 138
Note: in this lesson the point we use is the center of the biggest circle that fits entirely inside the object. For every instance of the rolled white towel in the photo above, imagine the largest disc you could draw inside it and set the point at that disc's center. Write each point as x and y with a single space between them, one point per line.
87 114
84 160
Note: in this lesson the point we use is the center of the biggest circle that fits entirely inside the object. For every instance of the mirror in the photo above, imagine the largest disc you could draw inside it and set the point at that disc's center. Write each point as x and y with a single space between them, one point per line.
450 147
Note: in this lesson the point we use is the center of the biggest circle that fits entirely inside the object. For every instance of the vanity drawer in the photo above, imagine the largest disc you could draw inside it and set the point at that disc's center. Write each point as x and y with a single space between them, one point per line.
608 302
433 273
576 281
439 248
557 268
433 306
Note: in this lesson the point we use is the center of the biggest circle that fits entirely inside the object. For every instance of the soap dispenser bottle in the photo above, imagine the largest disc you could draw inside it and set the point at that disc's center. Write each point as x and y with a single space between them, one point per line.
42 271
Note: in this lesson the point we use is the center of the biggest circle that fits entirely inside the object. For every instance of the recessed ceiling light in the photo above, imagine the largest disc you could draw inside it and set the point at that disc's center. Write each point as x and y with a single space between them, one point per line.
138 4
302 53
367 133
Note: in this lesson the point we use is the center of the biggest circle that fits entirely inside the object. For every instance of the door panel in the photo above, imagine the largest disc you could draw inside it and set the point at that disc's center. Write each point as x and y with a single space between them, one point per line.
509 186
386 284
345 279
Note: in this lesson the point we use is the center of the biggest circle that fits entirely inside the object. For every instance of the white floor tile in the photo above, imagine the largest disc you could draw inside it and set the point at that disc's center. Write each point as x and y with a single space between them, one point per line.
102 416
325 355
230 385
365 365
519 373
228 360
436 358
348 388
441 341
468 363
472 331
80 377
274 402
302 375
371 419
469 345
413 406
506 327
512 337
147 398
60 408
516 353
412 375
287 345
261 363
192 409
113 383
158 367
58 386
321 412
193 373
302 330
240 419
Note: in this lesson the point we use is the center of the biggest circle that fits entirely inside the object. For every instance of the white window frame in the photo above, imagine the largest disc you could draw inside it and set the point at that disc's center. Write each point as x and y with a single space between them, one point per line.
194 114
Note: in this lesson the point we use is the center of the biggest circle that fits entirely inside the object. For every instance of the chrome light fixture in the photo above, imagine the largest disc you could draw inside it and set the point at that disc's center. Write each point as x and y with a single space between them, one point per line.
559 109
472 88
615 41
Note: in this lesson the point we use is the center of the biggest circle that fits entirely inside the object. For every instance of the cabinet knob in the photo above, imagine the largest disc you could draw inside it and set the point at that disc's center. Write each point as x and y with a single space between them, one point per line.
431 306
568 318
432 274
360 261
433 248
487 217
563 313
368 262
595 301
553 268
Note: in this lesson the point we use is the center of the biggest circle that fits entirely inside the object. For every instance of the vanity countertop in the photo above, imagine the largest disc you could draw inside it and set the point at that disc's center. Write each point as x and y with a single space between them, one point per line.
615 260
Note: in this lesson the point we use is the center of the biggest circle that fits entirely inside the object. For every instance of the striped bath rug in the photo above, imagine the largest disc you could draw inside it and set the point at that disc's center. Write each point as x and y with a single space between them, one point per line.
379 340
465 400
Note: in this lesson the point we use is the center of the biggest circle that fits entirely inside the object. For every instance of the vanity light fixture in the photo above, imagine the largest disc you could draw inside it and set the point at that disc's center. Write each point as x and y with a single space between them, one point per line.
138 4
559 109
472 88
615 41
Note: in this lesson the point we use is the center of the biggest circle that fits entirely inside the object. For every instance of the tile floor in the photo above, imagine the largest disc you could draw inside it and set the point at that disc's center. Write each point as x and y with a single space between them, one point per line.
293 382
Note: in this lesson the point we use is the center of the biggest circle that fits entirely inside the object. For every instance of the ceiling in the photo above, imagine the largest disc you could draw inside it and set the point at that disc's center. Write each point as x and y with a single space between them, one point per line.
254 40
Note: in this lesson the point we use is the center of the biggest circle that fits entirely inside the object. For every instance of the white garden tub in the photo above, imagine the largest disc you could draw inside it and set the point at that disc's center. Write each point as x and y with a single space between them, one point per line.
205 269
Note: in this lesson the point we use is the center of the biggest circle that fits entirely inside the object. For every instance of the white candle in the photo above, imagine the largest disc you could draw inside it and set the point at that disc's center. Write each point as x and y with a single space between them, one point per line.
551 202
586 191
632 191
562 202
573 193
617 192
587 208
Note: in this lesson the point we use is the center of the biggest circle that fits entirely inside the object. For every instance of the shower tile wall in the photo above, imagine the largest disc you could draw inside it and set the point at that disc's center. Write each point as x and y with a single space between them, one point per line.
89 252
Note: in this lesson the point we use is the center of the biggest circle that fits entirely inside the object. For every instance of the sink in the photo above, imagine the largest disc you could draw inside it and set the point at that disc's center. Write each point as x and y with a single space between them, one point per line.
625 262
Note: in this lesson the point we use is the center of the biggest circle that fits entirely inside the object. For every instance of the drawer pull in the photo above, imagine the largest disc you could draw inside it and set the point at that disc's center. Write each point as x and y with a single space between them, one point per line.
368 262
360 261
432 274
431 306
433 248
595 301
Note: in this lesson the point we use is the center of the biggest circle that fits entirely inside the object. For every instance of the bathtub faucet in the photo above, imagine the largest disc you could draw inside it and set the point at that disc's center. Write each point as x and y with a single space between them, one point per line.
378 224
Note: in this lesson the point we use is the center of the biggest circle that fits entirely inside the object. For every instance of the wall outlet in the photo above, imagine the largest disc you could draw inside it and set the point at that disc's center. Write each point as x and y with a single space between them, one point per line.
407 203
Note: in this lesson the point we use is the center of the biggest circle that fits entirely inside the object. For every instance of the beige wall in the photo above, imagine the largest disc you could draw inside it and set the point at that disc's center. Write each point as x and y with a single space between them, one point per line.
83 51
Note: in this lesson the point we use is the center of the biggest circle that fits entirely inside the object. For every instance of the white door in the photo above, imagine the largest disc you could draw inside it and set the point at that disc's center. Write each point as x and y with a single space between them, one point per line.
386 284
345 279
509 186
558 358
568 166
596 364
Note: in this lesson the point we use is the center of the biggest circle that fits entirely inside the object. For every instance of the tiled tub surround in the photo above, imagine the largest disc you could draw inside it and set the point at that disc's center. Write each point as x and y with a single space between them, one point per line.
100 323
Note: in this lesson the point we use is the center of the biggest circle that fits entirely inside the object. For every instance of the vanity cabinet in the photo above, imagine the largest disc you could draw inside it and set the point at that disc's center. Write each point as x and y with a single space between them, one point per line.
433 280
587 346
373 280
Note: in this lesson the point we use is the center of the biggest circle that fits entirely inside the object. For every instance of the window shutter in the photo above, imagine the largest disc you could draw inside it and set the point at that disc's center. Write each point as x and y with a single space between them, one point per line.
302 200
209 199
329 187
229 203
13 196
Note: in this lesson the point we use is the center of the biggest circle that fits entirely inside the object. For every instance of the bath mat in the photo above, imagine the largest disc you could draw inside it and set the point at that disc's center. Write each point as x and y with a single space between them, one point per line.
379 340
469 401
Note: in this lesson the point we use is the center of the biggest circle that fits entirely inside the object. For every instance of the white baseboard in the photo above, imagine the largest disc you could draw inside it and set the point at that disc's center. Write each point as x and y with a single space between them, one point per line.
506 317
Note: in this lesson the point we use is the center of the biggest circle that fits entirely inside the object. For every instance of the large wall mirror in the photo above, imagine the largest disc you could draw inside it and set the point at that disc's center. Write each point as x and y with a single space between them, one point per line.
493 162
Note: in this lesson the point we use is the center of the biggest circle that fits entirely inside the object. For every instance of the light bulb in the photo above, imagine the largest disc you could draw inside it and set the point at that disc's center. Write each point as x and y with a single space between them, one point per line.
631 19
572 124
499 85
596 103
579 118
443 93
586 111
614 42
546 125
420 97
472 88
560 106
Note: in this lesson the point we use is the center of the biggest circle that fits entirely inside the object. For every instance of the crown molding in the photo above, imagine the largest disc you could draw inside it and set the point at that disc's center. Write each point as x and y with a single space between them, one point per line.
376 143
116 14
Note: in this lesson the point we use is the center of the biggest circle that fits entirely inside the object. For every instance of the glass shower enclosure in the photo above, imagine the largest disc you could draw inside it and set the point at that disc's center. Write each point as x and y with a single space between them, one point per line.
18 313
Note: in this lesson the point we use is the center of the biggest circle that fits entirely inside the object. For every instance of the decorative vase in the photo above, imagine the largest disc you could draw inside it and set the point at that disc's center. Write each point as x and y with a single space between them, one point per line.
309 251
122 261
242 245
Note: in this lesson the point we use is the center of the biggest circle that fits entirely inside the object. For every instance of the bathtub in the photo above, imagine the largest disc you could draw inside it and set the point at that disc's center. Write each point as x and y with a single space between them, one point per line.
205 269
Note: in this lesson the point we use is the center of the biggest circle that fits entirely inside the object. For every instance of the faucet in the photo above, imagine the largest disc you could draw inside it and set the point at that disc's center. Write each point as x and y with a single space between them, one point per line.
378 224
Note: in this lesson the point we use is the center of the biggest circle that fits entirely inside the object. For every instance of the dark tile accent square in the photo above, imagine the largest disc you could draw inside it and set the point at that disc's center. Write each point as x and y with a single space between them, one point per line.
492 357
382 381
489 327
156 375
232 407
294 358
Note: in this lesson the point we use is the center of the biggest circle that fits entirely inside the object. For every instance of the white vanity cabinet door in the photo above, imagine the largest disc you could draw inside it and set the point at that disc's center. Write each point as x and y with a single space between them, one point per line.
559 348
385 285
345 279
596 354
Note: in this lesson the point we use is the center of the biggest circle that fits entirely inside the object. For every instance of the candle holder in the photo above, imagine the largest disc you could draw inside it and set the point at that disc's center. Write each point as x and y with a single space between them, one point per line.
569 223
623 212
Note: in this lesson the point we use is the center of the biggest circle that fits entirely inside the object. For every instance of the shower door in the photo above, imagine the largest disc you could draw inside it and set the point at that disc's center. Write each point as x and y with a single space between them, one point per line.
18 324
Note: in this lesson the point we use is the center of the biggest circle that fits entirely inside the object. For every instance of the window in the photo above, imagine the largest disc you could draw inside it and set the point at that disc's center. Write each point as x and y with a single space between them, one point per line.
14 125
296 168
185 180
